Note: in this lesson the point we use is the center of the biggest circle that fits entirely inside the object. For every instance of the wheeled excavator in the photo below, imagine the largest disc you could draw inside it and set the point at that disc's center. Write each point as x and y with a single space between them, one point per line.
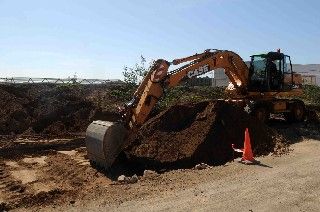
261 89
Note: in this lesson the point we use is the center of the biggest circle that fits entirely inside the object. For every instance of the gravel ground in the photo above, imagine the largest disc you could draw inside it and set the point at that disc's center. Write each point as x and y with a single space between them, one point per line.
54 174
287 183
61 179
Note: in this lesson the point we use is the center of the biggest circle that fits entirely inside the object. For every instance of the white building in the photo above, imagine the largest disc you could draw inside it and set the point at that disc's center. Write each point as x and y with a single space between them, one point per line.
310 73
220 79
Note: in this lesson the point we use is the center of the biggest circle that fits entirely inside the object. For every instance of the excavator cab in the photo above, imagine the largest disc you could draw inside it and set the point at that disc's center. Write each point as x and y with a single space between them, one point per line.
272 72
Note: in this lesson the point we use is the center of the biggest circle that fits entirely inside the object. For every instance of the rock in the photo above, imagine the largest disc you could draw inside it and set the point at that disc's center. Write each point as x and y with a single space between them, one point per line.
124 179
133 179
149 173
201 166
121 178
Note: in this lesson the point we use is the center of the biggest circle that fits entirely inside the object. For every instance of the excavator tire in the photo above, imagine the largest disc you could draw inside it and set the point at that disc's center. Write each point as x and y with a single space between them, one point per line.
297 112
104 142
261 113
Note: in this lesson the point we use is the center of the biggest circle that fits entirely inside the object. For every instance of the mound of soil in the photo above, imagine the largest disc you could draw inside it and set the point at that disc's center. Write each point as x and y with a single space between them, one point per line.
202 132
53 109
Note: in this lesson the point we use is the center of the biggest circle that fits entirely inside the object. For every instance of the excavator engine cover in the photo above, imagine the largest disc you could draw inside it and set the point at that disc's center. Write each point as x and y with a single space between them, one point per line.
104 141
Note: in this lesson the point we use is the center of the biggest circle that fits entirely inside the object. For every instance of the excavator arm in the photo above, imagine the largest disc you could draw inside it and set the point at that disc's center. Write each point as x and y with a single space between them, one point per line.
105 140
159 78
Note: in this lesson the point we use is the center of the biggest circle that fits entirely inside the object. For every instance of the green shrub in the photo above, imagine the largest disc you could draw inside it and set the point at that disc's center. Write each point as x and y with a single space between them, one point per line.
123 93
183 94
311 94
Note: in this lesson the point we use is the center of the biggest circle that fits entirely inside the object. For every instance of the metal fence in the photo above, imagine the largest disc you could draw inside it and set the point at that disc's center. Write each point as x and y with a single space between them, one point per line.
17 80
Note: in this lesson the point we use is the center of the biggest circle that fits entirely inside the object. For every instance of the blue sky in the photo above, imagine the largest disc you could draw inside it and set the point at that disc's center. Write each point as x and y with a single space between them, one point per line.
97 38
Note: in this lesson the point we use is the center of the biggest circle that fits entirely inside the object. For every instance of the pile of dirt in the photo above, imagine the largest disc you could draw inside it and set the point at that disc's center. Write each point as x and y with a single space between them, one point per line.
53 109
185 135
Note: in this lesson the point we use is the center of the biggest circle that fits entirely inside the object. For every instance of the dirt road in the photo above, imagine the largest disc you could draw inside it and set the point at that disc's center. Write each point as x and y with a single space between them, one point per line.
287 183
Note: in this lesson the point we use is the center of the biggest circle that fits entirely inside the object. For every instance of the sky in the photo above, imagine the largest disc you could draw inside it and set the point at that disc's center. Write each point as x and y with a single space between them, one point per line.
97 38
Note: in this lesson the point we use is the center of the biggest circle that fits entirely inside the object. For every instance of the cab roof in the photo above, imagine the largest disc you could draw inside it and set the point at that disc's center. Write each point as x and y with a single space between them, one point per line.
271 55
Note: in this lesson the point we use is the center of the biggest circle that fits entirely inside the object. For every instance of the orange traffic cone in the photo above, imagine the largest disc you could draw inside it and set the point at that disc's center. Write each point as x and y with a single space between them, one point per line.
247 156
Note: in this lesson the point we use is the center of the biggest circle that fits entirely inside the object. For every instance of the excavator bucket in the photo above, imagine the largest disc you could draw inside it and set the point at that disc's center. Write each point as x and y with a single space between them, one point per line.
104 141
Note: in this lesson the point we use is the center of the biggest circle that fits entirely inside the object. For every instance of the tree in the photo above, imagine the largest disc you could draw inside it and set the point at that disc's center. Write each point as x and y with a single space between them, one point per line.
134 75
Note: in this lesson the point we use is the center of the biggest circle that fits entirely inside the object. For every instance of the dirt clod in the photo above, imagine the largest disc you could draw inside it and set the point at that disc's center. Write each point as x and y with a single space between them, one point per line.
150 173
201 166
121 178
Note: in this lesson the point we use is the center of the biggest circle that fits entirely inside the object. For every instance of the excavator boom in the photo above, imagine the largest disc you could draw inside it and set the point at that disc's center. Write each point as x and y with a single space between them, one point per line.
159 78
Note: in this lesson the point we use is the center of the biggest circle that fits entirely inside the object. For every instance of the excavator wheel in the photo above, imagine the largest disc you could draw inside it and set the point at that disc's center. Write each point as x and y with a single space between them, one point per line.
104 142
262 114
297 112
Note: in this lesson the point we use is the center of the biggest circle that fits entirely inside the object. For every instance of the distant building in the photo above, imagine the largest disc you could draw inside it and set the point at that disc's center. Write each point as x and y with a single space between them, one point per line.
310 73
309 79
217 78
310 76
220 79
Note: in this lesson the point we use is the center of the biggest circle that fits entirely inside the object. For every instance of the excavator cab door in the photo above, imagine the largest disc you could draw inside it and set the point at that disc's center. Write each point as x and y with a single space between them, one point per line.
266 72
290 80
